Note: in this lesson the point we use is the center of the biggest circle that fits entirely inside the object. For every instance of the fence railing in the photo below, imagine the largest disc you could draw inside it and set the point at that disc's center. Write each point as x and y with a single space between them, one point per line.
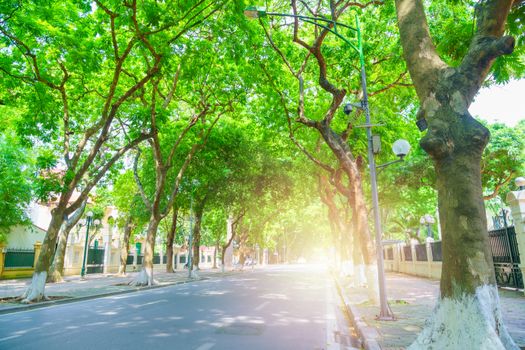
407 250
19 258
505 255
421 252
435 247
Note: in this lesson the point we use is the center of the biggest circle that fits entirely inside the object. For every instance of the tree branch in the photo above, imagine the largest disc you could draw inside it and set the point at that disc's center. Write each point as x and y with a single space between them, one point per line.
420 53
142 193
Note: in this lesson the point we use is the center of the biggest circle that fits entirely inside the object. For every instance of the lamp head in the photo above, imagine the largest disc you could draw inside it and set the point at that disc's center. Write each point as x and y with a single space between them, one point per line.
429 219
348 108
401 148
96 222
253 13
520 182
89 214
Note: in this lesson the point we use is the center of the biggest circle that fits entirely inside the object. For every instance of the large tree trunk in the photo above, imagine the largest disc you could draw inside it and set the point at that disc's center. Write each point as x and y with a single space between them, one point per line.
35 291
468 285
228 243
197 237
467 315
145 276
215 255
57 268
170 240
124 247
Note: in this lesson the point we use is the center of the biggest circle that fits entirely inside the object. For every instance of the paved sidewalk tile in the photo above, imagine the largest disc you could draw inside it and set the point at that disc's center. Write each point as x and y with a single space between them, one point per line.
412 300
95 285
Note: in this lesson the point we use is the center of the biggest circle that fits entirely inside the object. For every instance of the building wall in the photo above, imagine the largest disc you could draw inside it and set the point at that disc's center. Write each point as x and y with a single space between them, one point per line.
24 237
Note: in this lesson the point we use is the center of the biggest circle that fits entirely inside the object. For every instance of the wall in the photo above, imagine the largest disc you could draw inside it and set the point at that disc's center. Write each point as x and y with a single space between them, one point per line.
401 263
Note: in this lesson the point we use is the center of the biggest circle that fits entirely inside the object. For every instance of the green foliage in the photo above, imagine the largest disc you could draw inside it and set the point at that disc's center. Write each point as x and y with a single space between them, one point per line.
15 187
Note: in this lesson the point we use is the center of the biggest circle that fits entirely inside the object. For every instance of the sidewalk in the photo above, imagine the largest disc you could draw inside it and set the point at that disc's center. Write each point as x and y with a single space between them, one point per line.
412 300
94 285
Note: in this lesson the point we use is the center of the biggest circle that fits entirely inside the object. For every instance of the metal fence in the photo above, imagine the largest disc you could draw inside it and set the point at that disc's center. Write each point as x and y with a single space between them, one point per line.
390 253
506 257
435 247
421 252
19 258
408 253
95 260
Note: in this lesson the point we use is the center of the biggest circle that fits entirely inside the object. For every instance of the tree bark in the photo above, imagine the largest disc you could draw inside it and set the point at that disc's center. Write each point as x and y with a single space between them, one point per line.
145 276
56 270
215 255
455 142
197 235
170 240
124 248
35 291
356 198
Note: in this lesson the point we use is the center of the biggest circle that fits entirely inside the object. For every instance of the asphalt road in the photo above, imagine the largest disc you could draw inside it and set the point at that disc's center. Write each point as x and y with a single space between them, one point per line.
287 307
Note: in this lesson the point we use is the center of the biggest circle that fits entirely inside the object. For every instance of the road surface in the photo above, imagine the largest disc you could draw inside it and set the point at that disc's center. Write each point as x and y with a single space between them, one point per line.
285 307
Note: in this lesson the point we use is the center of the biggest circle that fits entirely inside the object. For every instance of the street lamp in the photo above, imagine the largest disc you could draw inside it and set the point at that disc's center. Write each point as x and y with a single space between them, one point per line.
427 220
89 217
520 182
331 26
399 147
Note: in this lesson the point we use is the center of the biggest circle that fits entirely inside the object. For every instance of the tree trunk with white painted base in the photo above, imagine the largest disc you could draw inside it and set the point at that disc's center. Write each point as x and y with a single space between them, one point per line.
199 211
353 191
215 255
170 239
36 290
145 276
467 315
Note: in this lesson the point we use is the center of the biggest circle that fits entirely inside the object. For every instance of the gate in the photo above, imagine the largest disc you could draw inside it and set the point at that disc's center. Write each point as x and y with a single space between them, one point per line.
506 257
95 260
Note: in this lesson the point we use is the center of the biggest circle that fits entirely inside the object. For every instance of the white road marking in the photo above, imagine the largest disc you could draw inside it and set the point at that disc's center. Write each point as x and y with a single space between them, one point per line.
152 303
260 307
206 346
7 338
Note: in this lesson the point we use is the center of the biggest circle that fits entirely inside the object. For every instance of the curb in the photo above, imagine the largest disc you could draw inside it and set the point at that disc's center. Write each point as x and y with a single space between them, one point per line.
369 335
44 304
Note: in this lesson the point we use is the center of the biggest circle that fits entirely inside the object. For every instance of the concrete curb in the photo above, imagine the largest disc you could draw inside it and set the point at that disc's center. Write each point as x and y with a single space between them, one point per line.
369 335
25 307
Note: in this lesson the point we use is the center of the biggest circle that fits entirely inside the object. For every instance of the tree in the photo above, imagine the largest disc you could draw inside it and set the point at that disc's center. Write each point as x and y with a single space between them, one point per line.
455 141
74 86
321 91
132 213
15 188
503 158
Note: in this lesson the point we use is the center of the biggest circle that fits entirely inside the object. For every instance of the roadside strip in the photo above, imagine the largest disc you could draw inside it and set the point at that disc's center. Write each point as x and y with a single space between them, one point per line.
369 336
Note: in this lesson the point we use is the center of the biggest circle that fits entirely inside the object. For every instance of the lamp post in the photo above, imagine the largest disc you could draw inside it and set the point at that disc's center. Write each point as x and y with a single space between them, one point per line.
427 220
331 26
89 216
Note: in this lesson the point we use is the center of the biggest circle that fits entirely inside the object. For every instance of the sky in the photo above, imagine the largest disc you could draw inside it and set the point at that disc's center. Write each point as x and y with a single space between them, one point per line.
504 103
